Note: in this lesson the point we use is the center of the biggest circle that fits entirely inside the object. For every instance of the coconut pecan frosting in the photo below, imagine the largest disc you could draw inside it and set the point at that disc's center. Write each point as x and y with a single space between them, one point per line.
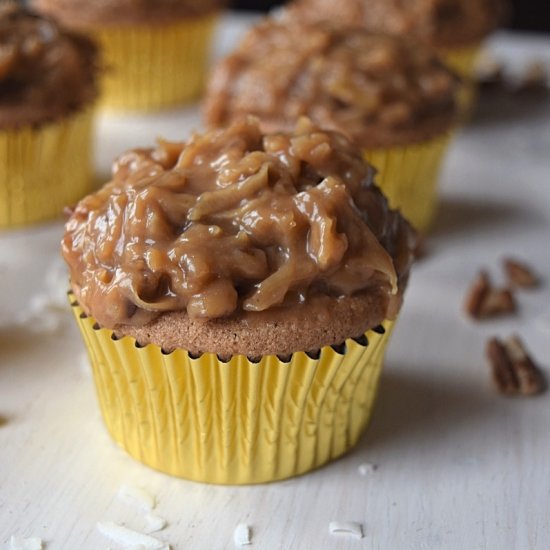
379 90
234 221
439 23
45 71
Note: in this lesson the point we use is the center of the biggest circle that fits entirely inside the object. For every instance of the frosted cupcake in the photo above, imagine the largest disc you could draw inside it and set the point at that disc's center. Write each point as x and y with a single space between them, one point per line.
236 293
156 50
392 97
454 28
47 90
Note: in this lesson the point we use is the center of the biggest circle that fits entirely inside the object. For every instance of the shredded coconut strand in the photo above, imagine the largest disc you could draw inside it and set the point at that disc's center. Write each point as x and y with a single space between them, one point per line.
47 310
25 544
38 318
347 528
242 535
154 523
56 279
136 496
122 535
366 468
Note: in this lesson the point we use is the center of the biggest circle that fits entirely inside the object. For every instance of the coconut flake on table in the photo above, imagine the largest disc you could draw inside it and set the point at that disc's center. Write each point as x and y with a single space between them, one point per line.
154 523
38 317
346 528
136 496
57 284
123 535
242 536
32 543
47 309
366 468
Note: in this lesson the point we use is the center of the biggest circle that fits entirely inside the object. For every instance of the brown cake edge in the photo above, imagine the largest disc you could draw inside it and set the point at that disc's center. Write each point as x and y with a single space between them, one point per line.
280 332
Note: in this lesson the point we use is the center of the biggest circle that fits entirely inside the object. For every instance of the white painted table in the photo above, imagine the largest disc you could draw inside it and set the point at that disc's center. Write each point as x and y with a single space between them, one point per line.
459 468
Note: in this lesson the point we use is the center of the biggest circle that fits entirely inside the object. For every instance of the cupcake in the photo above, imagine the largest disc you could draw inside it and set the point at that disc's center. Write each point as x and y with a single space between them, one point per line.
391 96
455 28
235 294
156 50
47 91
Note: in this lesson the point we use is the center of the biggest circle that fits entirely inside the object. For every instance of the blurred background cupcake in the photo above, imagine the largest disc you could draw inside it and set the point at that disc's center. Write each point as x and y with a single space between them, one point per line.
454 28
237 307
156 51
47 91
392 96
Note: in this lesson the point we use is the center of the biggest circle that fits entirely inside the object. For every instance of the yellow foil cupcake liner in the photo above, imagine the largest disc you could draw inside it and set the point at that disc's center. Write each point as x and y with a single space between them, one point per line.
155 66
234 422
409 176
463 62
44 169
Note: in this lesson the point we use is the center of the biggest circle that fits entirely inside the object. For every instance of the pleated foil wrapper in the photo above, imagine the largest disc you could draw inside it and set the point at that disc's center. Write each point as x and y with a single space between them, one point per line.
150 67
409 177
44 169
239 421
463 62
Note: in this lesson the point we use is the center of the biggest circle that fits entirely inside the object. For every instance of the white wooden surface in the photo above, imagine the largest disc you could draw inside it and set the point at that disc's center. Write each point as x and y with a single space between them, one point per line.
459 467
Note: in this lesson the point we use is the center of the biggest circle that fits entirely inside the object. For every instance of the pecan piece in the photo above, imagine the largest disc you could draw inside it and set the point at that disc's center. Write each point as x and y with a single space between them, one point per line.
490 74
513 370
499 301
519 274
534 79
477 294
483 301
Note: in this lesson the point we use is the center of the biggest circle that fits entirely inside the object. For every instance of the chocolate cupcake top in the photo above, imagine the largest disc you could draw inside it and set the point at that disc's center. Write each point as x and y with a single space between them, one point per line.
439 23
234 222
379 90
89 13
45 71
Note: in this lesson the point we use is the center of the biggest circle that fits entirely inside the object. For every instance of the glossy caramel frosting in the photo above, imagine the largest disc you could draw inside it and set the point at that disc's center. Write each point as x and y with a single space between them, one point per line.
234 222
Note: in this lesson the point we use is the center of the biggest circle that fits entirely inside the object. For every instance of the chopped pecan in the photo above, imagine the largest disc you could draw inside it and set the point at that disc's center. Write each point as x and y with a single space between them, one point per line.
483 301
477 294
490 74
499 301
534 79
513 370
519 274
